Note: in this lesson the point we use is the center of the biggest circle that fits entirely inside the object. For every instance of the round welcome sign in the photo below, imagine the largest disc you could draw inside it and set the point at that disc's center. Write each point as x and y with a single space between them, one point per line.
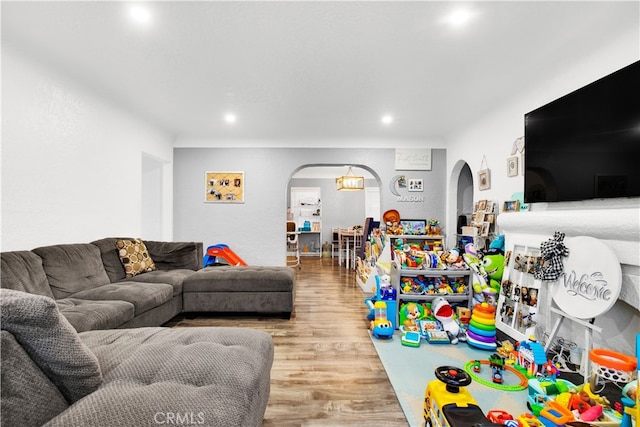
591 281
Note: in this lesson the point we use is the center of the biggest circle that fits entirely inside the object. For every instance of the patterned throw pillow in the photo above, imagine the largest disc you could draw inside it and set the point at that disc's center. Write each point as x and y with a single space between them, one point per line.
135 257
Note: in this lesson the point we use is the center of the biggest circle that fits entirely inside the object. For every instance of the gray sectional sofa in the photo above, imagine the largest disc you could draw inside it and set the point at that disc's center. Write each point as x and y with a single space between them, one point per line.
82 343
89 284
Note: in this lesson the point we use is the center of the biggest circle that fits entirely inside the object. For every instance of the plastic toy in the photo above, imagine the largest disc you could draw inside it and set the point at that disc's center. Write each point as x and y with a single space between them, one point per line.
384 292
381 327
410 313
554 414
411 339
447 402
540 392
443 312
501 417
222 251
528 420
482 327
496 363
476 366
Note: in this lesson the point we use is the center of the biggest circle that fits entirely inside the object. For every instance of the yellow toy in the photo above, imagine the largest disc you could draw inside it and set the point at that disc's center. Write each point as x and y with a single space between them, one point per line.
447 402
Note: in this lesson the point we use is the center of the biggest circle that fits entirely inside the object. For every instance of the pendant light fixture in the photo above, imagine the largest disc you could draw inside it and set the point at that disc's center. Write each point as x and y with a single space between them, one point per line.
350 182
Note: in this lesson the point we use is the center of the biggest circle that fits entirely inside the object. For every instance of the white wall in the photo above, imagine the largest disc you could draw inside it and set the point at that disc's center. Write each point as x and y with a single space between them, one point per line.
71 162
493 136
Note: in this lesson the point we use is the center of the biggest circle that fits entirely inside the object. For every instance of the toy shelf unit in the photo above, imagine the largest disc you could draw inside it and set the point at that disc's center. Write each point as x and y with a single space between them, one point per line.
482 225
306 207
426 241
519 291
403 277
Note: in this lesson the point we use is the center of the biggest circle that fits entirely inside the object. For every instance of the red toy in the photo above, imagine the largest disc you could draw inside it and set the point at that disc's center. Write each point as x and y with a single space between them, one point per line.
501 417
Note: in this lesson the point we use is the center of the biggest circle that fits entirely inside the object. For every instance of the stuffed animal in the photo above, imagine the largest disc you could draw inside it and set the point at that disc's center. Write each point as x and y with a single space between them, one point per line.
493 264
443 312
453 259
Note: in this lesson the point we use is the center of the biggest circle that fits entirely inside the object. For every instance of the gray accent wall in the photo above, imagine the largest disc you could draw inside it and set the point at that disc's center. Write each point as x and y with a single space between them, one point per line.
256 229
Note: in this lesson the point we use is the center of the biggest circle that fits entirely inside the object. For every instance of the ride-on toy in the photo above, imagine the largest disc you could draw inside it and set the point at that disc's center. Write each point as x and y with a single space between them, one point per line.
447 402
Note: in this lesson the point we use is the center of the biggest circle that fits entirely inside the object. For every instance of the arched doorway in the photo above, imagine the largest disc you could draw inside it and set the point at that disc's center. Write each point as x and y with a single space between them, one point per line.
339 209
461 203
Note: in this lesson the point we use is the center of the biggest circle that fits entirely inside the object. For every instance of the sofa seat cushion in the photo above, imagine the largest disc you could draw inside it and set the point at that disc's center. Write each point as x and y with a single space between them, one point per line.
23 271
174 278
72 268
214 376
144 296
87 315
51 342
241 279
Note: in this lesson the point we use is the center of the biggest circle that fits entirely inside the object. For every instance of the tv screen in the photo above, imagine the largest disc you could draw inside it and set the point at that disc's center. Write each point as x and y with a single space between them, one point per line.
586 145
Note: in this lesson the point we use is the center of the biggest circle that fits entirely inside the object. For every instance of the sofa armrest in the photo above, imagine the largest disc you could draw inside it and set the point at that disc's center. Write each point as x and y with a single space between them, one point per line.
175 255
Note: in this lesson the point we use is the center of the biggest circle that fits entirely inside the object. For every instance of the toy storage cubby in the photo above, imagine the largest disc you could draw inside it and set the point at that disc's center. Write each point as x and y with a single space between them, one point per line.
435 274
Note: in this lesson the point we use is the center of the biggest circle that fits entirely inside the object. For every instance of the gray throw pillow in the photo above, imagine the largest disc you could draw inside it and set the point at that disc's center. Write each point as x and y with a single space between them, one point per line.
29 398
51 342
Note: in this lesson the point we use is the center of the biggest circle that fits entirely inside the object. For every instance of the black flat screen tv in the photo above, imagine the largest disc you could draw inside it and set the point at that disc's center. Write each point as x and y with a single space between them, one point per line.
586 145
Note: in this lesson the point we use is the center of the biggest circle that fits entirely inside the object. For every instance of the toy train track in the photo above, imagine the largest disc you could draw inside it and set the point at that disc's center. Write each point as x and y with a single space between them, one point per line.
523 379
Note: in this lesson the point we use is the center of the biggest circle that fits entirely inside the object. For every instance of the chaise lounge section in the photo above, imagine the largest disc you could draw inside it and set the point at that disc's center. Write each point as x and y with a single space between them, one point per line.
54 376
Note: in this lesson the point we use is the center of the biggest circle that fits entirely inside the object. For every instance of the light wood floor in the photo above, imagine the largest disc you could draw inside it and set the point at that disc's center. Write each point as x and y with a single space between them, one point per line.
326 371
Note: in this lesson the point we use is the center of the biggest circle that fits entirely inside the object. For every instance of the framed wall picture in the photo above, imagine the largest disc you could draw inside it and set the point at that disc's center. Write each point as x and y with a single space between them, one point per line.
224 187
484 179
415 184
512 166
414 159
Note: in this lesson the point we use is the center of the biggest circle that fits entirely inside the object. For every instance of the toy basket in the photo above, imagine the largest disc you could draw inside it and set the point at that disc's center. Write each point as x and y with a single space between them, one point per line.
612 366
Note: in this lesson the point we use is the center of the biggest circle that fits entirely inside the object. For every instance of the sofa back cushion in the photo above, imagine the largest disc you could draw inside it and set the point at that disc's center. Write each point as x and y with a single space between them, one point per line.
51 342
23 271
110 258
29 398
175 255
72 268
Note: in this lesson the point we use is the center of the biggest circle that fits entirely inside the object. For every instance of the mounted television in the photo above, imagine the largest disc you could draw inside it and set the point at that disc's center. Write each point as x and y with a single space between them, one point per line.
586 145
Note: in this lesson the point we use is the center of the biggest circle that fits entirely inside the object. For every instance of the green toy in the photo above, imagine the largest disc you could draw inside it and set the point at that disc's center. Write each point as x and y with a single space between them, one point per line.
493 263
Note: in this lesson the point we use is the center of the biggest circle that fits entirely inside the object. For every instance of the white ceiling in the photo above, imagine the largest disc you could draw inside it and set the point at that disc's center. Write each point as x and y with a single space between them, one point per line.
323 70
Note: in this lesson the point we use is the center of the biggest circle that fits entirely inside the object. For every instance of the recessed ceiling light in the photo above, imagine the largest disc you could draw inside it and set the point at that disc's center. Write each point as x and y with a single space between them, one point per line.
230 118
140 14
386 119
458 17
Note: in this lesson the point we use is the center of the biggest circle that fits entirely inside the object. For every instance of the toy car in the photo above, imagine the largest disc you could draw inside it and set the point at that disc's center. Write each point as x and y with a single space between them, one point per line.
382 329
501 417
447 402
528 420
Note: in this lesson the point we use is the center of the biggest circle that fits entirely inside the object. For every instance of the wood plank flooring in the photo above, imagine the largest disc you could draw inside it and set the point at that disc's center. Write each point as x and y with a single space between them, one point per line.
326 371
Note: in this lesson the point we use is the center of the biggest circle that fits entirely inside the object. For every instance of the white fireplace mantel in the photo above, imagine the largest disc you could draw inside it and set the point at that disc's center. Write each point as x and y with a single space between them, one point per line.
617 228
